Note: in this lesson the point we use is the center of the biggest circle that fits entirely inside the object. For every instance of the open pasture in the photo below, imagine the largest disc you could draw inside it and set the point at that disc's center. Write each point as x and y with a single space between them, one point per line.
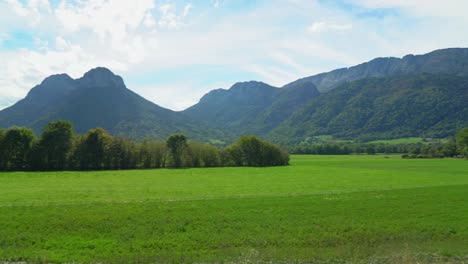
379 209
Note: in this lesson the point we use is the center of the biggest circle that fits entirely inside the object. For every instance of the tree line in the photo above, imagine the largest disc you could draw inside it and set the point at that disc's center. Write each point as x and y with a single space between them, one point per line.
454 147
58 148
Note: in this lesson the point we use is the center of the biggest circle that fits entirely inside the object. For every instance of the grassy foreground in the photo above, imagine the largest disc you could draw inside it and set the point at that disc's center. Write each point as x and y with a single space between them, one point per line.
379 209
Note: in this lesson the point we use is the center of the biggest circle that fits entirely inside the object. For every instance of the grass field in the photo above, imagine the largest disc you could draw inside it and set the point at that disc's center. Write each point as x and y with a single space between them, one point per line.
410 140
370 209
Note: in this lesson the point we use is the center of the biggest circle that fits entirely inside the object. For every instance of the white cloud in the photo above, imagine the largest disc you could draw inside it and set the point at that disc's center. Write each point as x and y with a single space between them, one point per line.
61 44
33 9
169 17
164 94
18 8
215 3
149 20
187 8
261 42
41 44
447 8
321 26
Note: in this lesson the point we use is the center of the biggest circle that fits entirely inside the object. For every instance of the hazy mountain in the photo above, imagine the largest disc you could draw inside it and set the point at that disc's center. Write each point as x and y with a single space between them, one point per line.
392 107
452 61
251 107
99 99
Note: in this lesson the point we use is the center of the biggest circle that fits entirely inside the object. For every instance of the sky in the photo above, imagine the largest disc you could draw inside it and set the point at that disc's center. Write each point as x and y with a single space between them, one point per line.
172 52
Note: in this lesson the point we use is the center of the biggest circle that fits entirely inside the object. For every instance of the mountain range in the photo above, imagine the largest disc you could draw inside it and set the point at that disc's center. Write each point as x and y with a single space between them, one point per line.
422 95
99 99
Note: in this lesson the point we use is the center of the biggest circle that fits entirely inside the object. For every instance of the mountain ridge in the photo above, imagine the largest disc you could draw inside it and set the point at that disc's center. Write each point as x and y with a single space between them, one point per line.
98 99
250 107
347 102
384 66
382 108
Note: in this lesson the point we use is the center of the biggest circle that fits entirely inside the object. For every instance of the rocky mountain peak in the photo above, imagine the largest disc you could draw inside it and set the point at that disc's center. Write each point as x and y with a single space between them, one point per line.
101 76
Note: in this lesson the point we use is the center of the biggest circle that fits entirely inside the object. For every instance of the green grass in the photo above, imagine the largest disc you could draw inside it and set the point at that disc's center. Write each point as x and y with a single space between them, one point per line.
216 142
409 140
330 139
379 209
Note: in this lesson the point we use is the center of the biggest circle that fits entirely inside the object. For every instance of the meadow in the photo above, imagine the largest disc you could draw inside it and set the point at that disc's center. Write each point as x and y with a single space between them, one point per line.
325 209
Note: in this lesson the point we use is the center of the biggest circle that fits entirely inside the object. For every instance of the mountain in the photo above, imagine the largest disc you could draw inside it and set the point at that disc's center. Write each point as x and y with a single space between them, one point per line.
383 98
433 105
423 95
452 61
251 107
99 99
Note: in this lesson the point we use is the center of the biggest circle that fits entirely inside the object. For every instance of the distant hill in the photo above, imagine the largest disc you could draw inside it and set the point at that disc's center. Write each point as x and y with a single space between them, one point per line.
99 99
452 61
251 107
432 105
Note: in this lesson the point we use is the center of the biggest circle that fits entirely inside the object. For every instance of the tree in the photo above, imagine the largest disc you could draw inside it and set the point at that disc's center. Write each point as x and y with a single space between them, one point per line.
252 151
251 147
55 144
152 154
232 155
176 145
210 156
15 148
93 149
2 137
120 154
462 141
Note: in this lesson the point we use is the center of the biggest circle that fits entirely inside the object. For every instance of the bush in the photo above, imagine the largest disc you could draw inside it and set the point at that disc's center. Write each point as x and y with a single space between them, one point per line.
252 151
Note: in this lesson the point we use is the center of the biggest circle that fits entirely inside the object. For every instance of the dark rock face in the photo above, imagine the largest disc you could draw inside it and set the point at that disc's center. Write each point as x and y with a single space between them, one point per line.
51 88
99 77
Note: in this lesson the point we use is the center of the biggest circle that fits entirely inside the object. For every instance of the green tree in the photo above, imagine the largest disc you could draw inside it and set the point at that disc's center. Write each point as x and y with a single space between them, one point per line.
2 137
15 148
251 147
36 157
93 149
252 151
77 152
210 156
232 155
462 141
55 144
152 154
120 154
176 145
449 149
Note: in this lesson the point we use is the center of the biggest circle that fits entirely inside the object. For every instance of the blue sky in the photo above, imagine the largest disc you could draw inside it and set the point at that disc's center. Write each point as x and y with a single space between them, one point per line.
172 52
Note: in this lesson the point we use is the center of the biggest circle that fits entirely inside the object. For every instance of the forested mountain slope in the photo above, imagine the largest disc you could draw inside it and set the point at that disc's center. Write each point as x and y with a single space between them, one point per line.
251 107
399 106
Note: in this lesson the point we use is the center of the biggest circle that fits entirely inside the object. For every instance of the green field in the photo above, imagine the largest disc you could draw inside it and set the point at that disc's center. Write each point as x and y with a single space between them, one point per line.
410 140
370 209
